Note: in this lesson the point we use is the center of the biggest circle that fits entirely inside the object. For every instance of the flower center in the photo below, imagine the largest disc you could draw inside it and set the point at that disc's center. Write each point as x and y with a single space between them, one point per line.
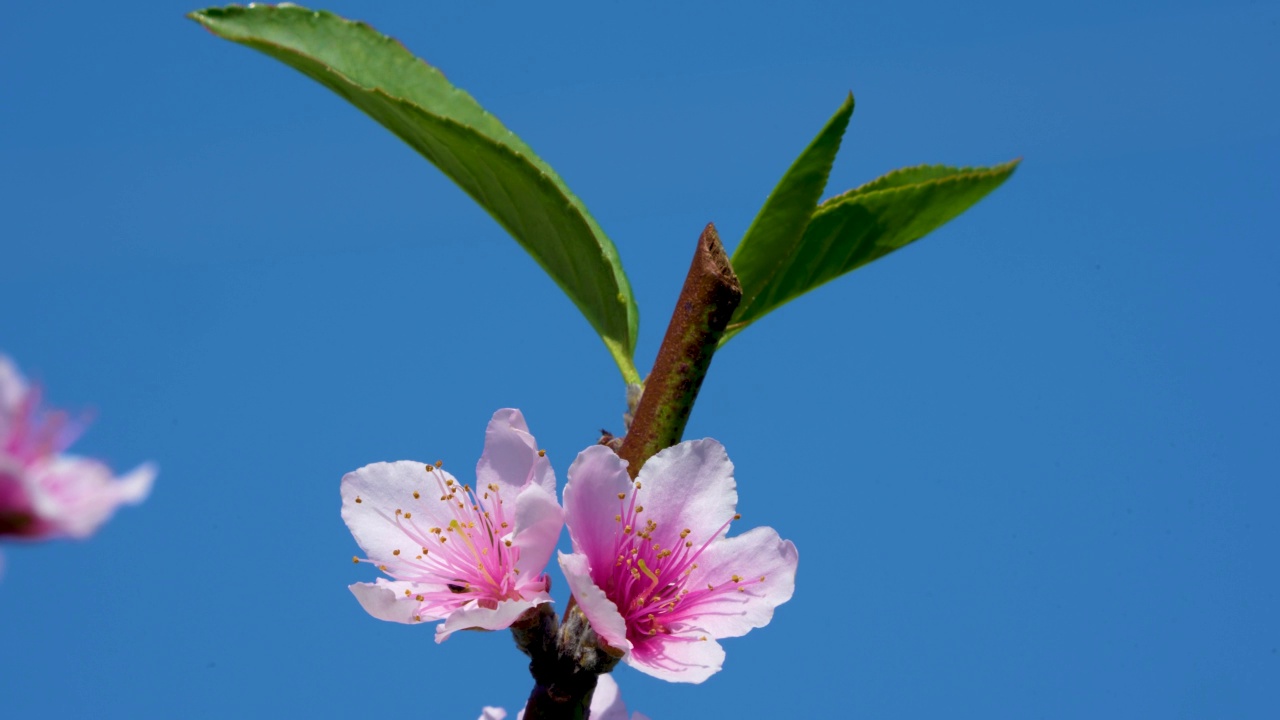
649 581
470 554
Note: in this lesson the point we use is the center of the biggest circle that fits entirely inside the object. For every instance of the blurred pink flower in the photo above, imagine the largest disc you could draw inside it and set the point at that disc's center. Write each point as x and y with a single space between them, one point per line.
652 567
458 554
43 492
606 704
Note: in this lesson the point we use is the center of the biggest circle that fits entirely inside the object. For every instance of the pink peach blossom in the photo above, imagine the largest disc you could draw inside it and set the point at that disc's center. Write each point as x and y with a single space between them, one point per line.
45 493
455 553
652 567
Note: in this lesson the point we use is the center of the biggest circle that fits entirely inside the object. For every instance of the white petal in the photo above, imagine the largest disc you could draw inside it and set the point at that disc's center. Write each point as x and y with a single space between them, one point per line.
606 702
688 659
600 610
372 495
756 553
537 530
12 389
689 485
511 458
591 502
385 600
474 617
76 495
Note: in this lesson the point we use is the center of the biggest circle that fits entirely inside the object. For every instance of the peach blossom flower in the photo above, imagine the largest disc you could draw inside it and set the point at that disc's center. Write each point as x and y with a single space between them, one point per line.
473 557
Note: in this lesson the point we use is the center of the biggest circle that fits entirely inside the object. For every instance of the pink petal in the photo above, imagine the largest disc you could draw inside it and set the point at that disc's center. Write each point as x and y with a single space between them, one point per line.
73 496
472 616
600 610
689 485
371 496
757 553
678 658
606 703
537 529
385 600
511 455
596 478
492 713
12 389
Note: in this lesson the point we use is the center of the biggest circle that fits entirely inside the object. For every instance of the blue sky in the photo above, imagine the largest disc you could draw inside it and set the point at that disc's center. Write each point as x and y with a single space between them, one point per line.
1029 462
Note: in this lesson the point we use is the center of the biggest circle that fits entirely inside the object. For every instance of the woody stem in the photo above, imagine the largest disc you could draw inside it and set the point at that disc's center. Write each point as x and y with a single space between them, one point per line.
710 294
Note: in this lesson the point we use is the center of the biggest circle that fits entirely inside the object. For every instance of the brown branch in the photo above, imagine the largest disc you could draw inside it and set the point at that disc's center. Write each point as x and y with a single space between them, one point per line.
566 658
710 295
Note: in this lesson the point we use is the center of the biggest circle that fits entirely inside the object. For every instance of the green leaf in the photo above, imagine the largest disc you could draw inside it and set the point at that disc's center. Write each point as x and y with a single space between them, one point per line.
867 223
448 127
779 227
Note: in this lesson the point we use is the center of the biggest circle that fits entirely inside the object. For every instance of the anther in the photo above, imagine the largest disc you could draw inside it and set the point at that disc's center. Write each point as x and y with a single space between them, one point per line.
737 516
416 495
355 559
439 463
408 515
395 552
622 496
358 499
542 453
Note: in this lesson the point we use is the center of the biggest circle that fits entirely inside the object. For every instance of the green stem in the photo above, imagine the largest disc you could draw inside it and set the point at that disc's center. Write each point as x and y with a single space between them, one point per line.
710 294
